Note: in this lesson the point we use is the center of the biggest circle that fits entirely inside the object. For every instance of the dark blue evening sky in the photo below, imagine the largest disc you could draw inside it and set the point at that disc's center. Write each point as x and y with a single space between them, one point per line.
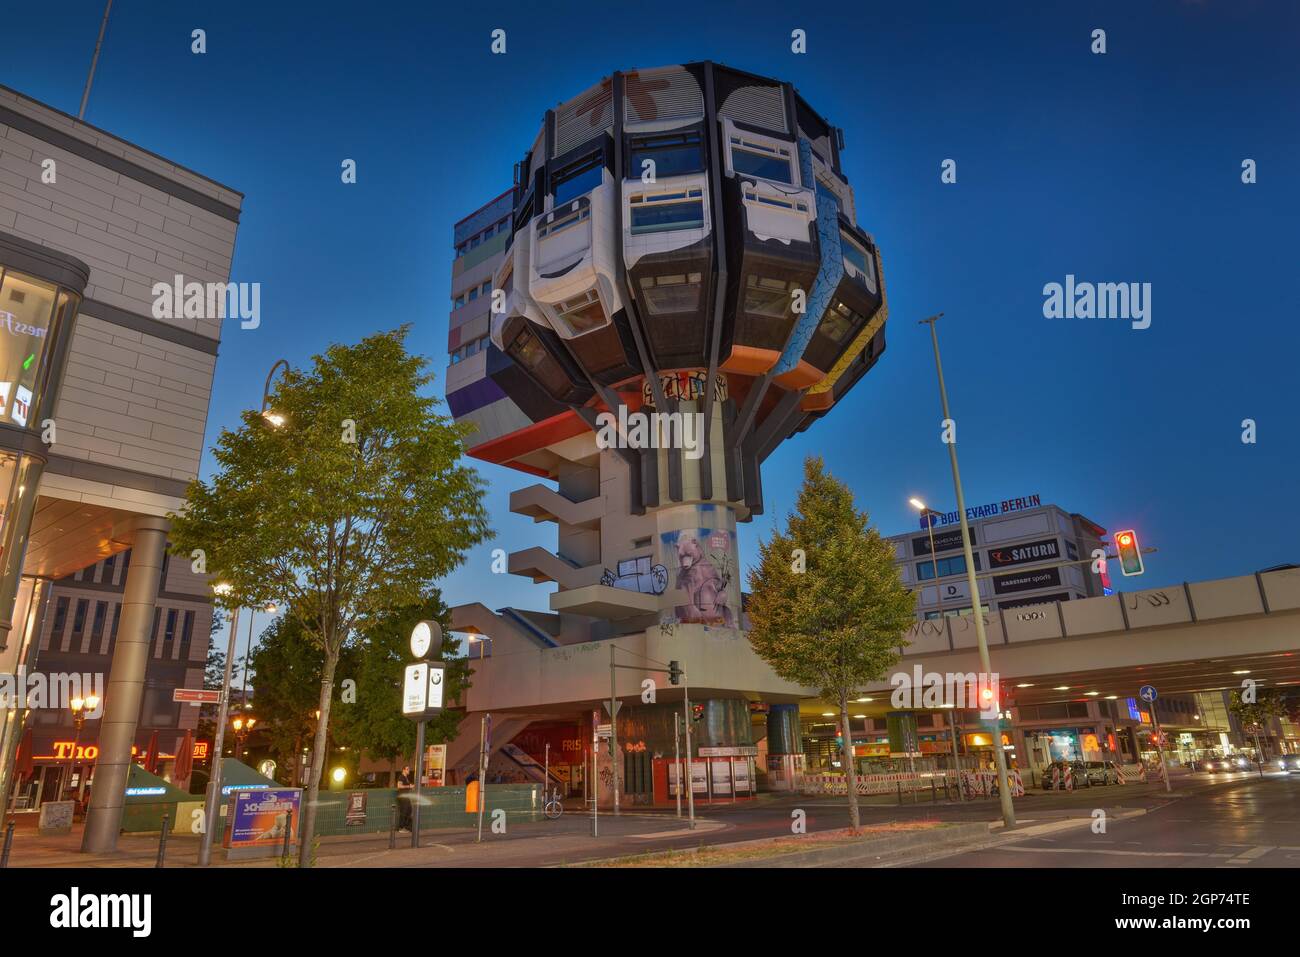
1117 168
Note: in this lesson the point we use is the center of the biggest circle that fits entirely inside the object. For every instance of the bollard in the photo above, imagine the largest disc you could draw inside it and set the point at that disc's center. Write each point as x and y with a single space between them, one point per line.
899 785
934 792
392 828
288 832
9 843
162 844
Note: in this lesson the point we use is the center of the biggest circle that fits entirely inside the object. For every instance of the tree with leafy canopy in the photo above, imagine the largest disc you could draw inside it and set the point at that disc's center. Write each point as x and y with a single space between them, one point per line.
372 721
1266 704
347 504
826 605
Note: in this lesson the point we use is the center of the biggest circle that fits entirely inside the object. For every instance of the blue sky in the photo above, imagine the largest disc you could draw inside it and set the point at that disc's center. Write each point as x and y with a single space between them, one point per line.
1123 167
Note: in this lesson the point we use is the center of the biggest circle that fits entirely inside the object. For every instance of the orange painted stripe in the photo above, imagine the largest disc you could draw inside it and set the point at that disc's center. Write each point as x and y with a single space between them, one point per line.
801 376
530 439
748 360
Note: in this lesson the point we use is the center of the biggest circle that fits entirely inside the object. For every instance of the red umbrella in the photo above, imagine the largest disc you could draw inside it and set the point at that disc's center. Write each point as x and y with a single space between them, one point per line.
184 762
151 755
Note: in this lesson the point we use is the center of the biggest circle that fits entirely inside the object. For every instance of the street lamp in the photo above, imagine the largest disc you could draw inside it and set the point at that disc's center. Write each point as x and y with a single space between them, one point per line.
271 609
80 707
1000 758
224 590
928 514
273 418
243 728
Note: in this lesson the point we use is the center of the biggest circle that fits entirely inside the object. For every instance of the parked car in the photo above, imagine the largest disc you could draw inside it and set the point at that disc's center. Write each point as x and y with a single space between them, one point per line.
1228 765
1288 762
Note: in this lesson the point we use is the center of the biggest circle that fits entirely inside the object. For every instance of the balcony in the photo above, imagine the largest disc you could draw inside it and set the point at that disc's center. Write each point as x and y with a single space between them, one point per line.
543 504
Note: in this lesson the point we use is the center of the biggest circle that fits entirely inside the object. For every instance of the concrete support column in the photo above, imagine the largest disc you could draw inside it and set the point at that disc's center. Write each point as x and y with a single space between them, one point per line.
125 691
783 731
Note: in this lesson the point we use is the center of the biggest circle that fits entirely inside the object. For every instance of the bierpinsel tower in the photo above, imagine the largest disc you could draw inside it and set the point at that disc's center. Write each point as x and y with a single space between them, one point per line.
680 247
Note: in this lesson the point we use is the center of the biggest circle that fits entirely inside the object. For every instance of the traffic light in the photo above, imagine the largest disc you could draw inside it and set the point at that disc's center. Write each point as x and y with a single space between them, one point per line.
1130 553
697 712
675 672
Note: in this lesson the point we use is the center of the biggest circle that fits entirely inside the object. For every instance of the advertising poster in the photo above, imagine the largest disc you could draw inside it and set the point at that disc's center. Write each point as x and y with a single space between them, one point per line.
356 813
435 765
700 777
740 773
261 818
721 776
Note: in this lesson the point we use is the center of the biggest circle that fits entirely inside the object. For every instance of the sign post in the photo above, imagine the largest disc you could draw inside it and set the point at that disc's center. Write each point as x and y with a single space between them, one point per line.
1148 694
422 699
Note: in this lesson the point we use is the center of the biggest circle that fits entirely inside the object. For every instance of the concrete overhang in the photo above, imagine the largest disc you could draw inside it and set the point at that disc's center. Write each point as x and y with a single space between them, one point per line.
604 601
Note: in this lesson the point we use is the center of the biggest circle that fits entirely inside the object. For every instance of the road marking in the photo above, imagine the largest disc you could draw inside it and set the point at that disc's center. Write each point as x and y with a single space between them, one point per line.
1254 853
700 828
1084 850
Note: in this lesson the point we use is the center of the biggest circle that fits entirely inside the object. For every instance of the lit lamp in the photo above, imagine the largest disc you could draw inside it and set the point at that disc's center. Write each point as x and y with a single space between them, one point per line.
243 726
272 418
80 708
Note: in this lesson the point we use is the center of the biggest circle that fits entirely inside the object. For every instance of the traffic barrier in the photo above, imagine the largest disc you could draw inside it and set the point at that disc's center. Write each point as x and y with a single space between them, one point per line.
1119 775
1017 783
1069 778
1056 776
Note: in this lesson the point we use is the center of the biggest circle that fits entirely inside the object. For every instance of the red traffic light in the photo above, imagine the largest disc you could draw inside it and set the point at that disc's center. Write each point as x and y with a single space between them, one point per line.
1130 553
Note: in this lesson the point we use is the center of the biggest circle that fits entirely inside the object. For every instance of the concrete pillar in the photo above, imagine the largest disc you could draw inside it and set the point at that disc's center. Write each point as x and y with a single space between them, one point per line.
783 732
125 691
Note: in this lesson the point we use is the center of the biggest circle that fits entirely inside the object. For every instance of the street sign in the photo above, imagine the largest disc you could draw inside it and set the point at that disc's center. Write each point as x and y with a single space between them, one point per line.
422 690
1147 693
603 730
196 696
617 705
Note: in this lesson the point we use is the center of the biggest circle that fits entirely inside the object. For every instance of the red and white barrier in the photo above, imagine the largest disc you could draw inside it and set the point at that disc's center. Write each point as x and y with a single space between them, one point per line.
1069 777
1119 775
1017 784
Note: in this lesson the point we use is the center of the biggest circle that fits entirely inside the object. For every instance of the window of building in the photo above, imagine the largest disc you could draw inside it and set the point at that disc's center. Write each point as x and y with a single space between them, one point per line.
582 313
657 212
79 619
459 301
767 297
187 629
776 202
751 157
953 612
838 322
117 615
577 178
473 294
97 629
665 295
486 288
170 631
528 350
473 243
60 616
564 222
673 154
956 565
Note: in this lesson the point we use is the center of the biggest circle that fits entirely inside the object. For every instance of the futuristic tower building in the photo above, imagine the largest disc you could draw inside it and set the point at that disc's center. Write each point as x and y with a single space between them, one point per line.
677 240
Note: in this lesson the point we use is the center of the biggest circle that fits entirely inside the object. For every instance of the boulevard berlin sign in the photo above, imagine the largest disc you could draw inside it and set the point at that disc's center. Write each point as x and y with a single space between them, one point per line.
983 511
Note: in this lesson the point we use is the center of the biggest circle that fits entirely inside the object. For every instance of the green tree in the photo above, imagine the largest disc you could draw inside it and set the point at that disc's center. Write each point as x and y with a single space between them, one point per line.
372 721
349 503
826 605
286 667
1266 704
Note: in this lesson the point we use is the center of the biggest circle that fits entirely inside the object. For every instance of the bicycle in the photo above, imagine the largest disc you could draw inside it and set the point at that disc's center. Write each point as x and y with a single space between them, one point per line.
551 806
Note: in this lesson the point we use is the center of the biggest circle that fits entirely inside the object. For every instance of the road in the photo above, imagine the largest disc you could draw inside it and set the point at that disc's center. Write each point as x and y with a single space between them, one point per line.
1233 821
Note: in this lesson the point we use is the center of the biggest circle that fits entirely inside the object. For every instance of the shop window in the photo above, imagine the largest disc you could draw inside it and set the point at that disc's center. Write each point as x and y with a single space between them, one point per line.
658 212
752 157
26 310
673 154
665 295
767 297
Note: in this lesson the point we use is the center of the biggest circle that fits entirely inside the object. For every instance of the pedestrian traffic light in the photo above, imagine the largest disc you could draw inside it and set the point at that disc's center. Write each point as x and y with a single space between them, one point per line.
674 672
697 711
1130 553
